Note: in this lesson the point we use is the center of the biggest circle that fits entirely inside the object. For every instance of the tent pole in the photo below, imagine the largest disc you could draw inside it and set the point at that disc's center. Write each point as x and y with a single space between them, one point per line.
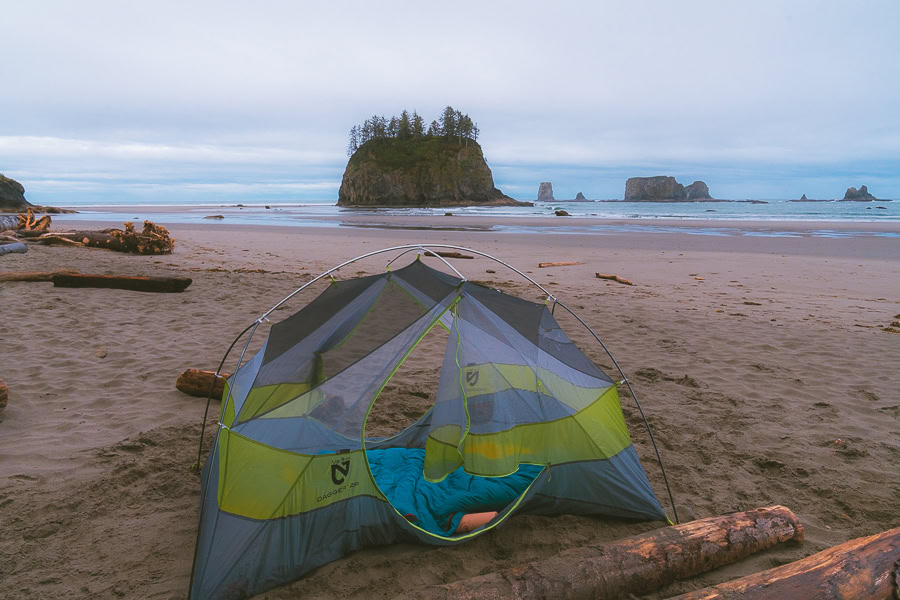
252 328
634 396
212 387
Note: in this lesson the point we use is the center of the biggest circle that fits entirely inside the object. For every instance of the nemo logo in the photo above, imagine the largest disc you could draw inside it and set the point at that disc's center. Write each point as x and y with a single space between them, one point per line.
339 471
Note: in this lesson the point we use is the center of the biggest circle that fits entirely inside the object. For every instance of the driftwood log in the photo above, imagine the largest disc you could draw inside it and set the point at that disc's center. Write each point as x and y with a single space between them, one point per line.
616 278
866 568
448 254
196 382
634 565
4 394
8 222
120 282
153 239
32 275
13 248
568 263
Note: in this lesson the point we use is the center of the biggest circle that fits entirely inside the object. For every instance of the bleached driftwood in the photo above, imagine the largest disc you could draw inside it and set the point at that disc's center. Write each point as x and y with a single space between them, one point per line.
569 263
13 248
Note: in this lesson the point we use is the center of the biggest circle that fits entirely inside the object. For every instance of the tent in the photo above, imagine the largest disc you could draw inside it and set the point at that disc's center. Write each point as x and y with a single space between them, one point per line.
522 422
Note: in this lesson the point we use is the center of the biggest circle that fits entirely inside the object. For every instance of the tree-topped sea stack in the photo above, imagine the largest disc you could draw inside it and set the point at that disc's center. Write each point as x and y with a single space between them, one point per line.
398 162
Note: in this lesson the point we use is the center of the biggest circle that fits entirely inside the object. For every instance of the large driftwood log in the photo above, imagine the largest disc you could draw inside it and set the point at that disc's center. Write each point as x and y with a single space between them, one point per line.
119 282
32 275
862 569
196 382
8 222
634 565
13 248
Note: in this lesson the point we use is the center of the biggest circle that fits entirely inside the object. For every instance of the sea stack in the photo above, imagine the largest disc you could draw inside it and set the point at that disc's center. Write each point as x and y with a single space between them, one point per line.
859 195
545 192
12 195
424 172
579 197
663 188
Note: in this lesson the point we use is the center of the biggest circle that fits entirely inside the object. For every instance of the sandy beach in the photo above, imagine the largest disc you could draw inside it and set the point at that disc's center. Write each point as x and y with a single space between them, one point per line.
767 366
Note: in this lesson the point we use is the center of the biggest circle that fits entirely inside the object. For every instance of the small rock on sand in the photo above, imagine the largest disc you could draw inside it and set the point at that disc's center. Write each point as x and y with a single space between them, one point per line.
4 394
101 353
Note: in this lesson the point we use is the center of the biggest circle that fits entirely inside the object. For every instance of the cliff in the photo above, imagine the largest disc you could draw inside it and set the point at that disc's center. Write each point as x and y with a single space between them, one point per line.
12 195
859 195
664 189
545 192
419 172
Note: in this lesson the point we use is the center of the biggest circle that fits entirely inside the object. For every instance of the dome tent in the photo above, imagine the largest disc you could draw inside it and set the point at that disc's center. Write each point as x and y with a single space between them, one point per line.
522 422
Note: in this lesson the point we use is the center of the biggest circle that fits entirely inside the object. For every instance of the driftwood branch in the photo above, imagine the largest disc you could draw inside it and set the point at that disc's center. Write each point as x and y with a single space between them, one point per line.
862 569
119 282
569 263
613 278
448 254
196 382
633 565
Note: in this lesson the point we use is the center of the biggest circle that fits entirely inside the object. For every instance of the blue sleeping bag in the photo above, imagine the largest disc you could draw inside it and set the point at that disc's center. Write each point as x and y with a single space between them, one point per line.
438 507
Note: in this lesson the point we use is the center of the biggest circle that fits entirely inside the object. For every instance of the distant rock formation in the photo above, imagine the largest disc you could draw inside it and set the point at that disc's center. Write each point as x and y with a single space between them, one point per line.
697 191
859 195
420 172
545 192
579 197
803 198
12 195
664 189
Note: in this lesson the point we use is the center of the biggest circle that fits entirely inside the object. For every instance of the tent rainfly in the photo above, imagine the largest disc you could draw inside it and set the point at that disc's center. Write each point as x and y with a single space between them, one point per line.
522 422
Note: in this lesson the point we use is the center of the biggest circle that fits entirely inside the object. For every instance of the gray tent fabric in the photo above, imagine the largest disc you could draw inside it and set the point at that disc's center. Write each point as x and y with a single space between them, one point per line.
288 485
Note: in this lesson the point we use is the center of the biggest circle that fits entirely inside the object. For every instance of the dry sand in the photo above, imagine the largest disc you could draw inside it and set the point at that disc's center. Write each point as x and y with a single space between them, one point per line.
771 380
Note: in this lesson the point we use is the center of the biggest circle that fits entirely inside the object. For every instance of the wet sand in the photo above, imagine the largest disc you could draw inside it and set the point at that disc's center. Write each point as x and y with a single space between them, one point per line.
770 380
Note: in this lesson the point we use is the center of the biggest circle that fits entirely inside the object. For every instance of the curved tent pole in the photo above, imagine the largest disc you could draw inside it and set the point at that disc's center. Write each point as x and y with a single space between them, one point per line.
212 388
634 396
205 488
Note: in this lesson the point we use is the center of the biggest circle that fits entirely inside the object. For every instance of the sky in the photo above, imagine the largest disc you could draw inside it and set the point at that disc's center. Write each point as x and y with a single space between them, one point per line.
173 102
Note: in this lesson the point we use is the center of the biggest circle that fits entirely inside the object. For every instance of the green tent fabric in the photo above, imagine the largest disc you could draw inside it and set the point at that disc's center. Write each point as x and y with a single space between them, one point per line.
522 422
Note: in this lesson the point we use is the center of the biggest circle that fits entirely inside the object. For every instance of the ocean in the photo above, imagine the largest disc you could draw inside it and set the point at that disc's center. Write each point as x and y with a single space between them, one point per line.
324 213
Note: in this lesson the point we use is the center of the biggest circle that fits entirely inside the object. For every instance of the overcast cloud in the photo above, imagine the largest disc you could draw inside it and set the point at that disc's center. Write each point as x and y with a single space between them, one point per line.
179 101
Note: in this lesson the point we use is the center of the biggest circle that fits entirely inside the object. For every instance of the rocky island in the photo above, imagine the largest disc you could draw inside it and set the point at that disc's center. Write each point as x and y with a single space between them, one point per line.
545 192
858 195
398 162
12 196
664 189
